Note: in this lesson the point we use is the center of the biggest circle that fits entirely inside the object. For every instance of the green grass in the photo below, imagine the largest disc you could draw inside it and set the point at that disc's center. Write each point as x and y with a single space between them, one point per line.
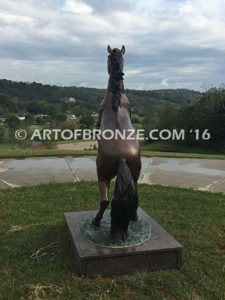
21 153
171 150
182 155
5 147
34 127
33 217
7 152
168 147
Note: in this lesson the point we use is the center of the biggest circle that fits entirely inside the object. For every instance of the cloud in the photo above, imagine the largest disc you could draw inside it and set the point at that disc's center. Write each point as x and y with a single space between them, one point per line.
132 72
164 83
169 44
77 7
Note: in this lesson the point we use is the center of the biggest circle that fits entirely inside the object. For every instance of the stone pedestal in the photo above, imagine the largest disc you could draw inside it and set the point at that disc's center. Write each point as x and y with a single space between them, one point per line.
160 252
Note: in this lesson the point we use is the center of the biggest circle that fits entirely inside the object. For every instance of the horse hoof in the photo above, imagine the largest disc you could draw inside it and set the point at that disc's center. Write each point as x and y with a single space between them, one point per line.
96 222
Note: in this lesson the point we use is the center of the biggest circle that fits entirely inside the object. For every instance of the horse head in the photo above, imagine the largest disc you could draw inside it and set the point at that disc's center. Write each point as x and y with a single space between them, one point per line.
115 70
116 63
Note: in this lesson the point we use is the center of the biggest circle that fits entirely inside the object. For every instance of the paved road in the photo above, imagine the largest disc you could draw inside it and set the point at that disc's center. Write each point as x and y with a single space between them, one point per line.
201 174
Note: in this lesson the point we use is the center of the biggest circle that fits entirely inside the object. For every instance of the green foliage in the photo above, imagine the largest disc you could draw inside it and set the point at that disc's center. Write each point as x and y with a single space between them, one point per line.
41 120
29 119
2 134
9 104
208 113
69 124
36 98
161 109
12 122
153 100
86 120
60 118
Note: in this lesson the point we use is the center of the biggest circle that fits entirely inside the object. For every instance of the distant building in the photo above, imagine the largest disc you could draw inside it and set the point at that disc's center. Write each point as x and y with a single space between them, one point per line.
70 100
94 115
2 121
21 118
71 117
41 116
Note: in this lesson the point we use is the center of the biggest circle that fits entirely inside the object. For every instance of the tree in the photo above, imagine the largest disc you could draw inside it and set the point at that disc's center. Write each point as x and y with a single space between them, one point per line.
2 134
86 121
12 122
59 119
29 119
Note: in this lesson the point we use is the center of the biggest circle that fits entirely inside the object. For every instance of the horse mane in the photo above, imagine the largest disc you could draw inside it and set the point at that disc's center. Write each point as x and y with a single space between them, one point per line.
116 76
116 94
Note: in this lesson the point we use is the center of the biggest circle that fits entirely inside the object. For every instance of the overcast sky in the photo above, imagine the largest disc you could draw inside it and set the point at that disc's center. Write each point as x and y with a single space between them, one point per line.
169 43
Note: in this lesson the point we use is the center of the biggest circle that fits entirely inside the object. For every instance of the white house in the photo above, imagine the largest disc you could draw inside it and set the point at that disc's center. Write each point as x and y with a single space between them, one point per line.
2 121
71 117
70 100
94 115
21 118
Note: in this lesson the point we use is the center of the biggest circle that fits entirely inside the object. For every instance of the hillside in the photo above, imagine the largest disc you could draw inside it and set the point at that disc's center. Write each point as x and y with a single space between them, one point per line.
22 97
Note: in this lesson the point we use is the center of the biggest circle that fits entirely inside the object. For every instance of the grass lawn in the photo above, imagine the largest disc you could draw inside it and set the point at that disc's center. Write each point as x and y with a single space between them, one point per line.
34 127
23 153
9 152
150 150
169 147
5 147
31 218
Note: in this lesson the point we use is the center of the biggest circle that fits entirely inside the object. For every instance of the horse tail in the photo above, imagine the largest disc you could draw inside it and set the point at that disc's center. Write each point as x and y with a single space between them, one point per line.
125 202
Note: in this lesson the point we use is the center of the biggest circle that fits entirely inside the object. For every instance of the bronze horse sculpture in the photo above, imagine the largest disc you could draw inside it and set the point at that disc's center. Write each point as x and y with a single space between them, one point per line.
117 157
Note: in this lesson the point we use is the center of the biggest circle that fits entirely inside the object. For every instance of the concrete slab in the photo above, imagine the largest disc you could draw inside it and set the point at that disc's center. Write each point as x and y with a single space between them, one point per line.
83 167
3 186
32 171
219 186
160 252
200 174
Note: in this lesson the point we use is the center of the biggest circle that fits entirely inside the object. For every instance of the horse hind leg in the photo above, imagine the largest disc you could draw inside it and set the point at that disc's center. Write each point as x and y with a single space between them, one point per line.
104 202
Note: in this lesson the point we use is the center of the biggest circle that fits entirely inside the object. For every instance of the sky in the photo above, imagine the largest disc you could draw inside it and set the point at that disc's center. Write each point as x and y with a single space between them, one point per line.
169 43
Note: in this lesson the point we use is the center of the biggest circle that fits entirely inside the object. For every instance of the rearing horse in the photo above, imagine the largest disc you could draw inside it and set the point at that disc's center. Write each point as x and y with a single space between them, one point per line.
120 156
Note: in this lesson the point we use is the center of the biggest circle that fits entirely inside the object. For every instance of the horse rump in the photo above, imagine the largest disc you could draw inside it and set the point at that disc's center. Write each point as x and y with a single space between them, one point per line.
124 203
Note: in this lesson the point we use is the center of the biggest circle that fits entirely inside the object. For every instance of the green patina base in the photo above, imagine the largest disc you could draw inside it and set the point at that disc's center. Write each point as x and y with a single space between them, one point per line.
138 232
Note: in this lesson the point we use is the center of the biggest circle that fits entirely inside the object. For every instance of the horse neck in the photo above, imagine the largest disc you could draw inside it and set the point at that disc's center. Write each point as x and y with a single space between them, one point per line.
108 97
111 84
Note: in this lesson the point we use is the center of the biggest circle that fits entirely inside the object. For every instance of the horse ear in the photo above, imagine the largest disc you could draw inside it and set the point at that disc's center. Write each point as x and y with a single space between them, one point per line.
109 49
123 49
